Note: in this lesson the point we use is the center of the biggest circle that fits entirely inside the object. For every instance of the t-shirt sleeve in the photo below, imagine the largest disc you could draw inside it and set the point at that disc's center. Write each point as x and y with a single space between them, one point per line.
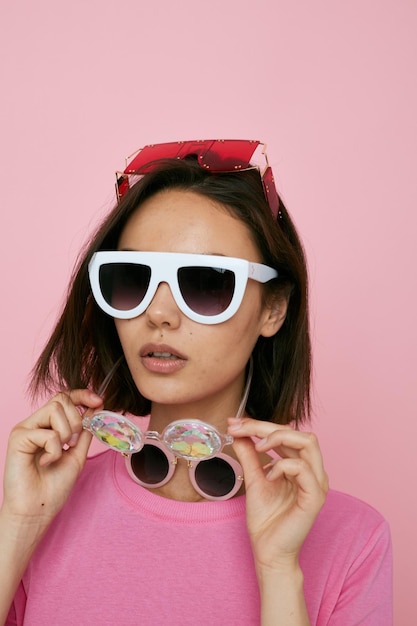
366 595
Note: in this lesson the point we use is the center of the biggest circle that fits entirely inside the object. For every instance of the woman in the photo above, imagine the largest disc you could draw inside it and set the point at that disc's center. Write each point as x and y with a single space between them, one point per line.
188 308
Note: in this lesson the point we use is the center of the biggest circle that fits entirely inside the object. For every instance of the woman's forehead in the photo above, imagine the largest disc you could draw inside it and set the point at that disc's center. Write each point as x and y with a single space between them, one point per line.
185 221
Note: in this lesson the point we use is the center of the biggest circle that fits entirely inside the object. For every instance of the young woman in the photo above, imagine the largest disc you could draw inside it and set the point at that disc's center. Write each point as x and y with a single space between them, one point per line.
188 311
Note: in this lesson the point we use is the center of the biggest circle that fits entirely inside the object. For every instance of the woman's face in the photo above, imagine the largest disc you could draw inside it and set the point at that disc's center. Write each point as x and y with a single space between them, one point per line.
185 368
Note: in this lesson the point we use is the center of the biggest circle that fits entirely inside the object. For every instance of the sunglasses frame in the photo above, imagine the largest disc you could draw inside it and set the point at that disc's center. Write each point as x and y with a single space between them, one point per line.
134 441
214 155
203 440
164 267
192 467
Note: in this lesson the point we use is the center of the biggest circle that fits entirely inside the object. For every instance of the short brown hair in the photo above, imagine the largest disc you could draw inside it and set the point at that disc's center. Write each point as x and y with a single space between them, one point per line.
84 344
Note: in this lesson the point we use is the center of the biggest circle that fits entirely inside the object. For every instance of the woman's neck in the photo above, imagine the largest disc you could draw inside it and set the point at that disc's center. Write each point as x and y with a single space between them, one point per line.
214 410
213 413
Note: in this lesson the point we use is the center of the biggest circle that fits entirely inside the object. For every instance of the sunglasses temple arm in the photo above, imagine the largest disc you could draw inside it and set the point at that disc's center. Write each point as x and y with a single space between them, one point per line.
246 390
108 377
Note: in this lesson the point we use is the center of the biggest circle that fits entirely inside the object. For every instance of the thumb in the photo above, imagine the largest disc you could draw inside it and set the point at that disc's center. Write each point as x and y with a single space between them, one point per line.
86 398
248 458
80 446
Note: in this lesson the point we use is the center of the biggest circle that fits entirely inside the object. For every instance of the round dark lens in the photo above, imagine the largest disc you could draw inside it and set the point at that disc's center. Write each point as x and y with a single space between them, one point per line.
150 465
215 477
206 290
124 285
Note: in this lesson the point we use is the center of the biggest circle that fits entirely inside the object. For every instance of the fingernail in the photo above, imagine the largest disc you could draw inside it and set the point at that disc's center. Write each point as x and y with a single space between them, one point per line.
270 467
235 423
73 441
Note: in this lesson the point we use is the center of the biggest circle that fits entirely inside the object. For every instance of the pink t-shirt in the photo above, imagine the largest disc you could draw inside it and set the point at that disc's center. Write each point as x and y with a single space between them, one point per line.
120 554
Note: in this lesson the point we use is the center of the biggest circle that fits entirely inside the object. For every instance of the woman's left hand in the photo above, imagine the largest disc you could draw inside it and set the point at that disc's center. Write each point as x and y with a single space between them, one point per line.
284 496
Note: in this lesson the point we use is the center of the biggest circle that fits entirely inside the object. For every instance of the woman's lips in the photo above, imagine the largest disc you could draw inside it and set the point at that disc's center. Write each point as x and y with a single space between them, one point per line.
161 358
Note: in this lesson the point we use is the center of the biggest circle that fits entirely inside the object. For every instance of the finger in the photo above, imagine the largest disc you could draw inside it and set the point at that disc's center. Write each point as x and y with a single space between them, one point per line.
248 427
48 442
85 397
296 444
80 448
299 472
284 440
292 443
61 413
64 421
248 458
30 442
268 435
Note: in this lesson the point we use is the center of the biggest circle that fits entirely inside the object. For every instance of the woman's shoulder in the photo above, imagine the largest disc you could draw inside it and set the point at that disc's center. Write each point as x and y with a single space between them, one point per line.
347 562
349 523
340 505
338 499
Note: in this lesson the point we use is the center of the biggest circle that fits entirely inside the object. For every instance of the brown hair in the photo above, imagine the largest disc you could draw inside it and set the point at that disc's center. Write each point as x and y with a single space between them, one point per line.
84 344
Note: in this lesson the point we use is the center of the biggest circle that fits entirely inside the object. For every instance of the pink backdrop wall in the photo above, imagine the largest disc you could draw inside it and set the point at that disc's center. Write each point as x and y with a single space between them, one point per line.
331 87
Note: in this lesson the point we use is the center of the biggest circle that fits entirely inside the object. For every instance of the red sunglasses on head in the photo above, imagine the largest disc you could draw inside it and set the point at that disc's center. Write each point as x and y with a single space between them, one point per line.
214 155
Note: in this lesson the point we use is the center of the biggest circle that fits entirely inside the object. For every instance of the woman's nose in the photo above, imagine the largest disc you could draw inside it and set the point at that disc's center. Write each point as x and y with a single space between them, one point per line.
163 310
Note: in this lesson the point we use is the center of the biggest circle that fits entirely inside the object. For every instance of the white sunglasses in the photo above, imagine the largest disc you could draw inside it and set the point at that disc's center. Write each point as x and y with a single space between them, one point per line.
206 288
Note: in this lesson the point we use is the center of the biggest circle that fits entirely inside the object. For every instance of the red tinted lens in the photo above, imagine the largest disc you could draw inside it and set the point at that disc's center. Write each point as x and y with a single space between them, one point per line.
217 155
206 290
124 285
143 162
215 477
228 155
270 191
150 465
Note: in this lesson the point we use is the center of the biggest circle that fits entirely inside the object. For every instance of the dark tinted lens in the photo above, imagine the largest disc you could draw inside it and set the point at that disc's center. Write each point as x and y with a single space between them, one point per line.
150 465
206 290
124 285
215 477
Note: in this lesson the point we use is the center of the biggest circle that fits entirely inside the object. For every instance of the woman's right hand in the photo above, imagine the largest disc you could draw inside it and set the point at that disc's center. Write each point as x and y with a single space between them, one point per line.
45 455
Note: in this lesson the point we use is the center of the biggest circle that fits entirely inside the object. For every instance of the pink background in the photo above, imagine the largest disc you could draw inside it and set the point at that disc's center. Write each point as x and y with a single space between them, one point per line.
331 87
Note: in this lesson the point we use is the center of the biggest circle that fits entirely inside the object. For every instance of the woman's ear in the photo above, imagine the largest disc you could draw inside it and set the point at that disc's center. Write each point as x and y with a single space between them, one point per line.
275 314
